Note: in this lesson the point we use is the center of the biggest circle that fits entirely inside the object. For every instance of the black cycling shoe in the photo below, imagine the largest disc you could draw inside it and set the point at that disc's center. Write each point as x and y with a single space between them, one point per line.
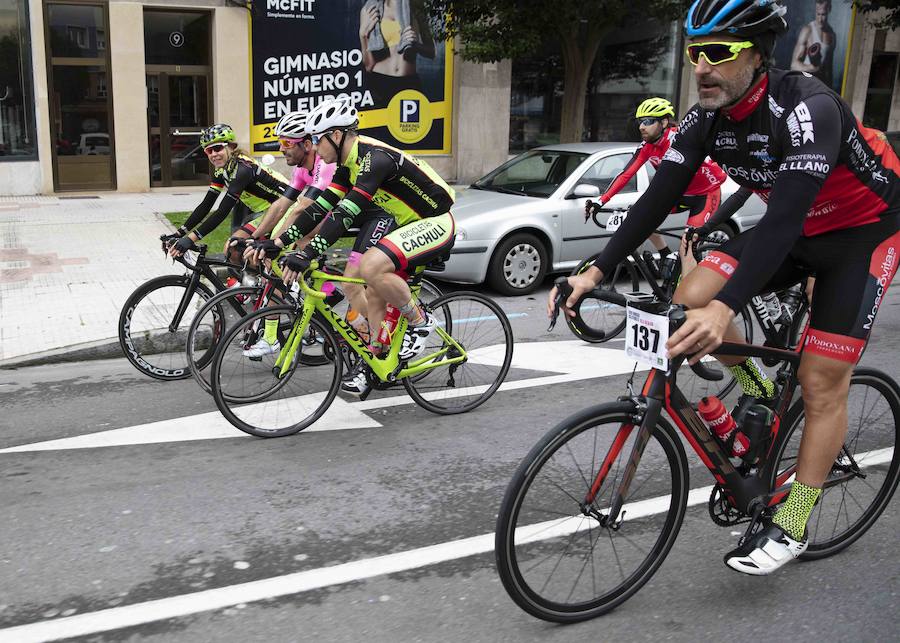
765 551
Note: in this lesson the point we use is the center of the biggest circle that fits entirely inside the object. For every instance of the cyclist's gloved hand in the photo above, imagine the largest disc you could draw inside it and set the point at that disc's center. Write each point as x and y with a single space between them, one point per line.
267 246
184 244
296 262
238 243
168 239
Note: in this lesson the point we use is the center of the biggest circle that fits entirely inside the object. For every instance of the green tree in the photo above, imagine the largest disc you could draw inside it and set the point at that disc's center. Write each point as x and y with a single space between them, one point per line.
491 30
891 19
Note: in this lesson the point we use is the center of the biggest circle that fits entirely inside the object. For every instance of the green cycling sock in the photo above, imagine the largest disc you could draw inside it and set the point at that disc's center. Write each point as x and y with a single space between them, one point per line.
271 331
753 379
793 514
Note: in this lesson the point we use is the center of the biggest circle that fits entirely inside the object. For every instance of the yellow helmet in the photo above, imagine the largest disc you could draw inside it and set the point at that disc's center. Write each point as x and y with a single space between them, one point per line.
655 108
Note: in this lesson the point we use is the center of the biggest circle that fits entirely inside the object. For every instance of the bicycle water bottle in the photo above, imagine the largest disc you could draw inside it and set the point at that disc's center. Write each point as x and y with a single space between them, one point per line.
667 268
359 324
391 316
722 424
773 305
755 425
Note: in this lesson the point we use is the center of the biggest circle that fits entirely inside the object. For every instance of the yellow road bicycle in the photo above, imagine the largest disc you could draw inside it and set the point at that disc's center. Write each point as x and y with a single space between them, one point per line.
464 363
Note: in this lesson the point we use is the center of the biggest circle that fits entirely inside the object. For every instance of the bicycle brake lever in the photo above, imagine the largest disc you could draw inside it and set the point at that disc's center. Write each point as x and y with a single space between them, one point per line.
563 291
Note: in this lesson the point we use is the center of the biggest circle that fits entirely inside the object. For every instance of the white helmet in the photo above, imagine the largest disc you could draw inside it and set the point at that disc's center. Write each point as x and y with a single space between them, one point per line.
292 125
331 114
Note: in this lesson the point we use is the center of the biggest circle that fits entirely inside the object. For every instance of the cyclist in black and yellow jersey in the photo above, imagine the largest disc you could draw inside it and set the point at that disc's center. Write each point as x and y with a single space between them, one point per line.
242 179
370 172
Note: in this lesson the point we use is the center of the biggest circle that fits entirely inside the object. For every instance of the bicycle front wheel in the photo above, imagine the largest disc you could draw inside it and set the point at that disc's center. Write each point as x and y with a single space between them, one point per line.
869 455
255 393
560 555
600 313
151 337
210 323
481 334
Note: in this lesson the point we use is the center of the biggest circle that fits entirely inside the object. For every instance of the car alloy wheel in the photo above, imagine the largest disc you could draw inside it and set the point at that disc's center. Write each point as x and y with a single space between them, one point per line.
522 265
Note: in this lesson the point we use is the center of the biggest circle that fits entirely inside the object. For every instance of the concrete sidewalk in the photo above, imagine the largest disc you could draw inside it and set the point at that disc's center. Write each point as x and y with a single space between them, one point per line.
67 264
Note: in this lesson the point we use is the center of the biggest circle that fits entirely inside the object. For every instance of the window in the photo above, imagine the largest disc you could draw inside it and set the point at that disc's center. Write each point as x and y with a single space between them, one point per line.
880 93
639 60
537 173
17 138
606 169
75 31
176 38
78 36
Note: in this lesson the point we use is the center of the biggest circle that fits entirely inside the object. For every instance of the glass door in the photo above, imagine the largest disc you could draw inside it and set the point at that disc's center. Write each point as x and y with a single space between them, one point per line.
177 111
80 97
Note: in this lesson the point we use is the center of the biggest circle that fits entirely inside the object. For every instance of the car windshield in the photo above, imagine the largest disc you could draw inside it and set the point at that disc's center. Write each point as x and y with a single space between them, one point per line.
536 173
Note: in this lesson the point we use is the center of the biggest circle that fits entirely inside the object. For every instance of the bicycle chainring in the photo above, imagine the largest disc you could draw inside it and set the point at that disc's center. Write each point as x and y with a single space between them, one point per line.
722 512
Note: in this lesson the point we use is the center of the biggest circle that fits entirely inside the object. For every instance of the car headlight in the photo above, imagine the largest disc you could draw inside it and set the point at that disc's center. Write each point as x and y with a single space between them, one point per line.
461 234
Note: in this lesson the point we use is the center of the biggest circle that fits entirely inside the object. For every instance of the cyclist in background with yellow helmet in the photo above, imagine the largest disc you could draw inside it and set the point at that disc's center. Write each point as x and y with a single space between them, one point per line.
656 123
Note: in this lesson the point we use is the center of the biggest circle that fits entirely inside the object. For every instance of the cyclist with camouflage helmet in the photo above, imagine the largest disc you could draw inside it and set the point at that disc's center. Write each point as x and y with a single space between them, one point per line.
242 179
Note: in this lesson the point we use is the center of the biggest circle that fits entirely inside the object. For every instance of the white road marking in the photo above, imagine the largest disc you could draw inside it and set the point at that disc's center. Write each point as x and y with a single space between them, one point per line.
177 606
572 359
205 426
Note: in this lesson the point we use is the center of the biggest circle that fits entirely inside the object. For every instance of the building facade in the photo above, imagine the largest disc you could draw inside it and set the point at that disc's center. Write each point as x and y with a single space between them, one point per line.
111 95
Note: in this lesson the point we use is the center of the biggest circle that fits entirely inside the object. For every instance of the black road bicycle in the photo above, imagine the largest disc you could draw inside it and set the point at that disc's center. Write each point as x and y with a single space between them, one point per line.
154 321
594 508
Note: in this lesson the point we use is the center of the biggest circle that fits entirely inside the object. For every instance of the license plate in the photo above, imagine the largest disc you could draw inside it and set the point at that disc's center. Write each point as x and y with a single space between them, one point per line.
646 337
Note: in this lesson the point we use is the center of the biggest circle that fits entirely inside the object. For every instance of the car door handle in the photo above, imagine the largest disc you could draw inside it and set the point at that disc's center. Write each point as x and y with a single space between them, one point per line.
178 132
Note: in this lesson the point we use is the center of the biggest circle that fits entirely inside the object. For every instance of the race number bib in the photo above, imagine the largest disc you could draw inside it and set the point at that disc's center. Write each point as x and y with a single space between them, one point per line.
646 337
615 220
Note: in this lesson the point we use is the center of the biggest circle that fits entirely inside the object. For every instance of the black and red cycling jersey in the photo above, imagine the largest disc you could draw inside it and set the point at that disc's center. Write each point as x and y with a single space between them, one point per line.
795 142
709 177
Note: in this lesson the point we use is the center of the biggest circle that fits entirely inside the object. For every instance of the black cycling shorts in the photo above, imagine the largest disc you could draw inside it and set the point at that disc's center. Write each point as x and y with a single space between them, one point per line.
373 229
853 268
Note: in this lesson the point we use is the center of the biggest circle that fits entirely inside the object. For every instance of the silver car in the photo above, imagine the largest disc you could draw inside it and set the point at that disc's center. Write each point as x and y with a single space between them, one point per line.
526 218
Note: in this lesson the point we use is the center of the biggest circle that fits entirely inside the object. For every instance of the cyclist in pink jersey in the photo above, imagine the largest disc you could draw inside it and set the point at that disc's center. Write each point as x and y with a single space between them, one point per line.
656 123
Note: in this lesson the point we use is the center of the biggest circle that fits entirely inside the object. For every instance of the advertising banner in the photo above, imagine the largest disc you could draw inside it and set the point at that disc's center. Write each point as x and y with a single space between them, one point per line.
380 53
818 40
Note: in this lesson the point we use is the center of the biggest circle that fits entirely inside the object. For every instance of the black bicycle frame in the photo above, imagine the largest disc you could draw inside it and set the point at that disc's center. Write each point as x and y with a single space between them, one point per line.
202 268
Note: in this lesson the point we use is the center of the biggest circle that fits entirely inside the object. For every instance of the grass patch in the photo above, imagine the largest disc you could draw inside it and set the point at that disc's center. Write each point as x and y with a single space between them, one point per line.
217 238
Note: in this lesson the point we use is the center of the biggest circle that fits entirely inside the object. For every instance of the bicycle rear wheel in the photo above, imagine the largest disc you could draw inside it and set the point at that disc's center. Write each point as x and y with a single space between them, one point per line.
146 332
600 313
252 393
481 328
846 510
561 557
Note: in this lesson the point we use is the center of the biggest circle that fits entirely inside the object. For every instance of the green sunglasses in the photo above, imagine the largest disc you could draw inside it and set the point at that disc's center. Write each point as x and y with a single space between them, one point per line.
716 53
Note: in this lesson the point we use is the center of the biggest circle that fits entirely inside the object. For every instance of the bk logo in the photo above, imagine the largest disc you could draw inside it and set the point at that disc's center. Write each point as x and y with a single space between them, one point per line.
409 111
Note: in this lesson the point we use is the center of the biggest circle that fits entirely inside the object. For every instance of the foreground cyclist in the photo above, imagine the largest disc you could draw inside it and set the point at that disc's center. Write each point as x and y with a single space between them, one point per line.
371 172
833 193
655 118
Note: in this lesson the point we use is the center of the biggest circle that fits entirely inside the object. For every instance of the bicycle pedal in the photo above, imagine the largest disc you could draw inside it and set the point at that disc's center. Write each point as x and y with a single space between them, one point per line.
255 359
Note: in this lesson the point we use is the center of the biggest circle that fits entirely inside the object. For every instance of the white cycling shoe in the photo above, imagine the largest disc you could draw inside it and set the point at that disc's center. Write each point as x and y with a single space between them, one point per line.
764 552
416 338
262 348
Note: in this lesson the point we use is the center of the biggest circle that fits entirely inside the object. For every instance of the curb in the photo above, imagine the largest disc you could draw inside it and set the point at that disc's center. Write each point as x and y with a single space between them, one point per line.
100 349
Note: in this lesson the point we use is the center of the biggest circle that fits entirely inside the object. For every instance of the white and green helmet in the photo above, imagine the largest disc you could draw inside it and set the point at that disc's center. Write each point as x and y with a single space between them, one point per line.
218 133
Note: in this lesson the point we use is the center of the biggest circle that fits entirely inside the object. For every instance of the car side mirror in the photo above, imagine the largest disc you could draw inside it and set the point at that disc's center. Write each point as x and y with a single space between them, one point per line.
585 191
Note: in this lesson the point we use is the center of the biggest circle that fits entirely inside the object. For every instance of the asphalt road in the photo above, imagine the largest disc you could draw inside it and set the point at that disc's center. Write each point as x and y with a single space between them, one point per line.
328 535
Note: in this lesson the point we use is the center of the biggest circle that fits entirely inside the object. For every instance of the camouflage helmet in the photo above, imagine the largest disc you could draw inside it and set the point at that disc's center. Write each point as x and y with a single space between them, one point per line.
218 133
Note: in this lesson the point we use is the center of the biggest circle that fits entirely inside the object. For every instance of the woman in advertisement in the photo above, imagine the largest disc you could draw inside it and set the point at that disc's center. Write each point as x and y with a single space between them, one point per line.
391 34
